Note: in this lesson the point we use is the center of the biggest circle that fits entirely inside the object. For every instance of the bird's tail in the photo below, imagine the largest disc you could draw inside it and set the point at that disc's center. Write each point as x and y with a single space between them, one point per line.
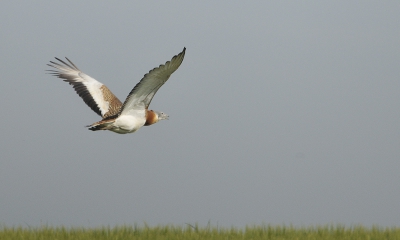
102 125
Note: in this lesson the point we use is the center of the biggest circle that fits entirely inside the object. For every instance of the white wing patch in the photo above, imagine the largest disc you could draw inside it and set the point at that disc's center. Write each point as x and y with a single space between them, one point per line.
94 88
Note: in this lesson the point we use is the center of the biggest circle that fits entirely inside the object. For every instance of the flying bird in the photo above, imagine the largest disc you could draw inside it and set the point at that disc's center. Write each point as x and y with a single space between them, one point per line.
119 117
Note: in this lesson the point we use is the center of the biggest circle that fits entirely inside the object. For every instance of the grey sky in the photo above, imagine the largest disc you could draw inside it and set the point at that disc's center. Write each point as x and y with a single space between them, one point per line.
282 112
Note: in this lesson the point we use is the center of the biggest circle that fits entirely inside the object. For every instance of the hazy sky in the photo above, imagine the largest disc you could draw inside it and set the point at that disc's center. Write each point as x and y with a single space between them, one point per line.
282 112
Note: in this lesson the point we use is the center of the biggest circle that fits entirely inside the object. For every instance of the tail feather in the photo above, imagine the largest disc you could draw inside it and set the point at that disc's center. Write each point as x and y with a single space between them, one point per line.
101 125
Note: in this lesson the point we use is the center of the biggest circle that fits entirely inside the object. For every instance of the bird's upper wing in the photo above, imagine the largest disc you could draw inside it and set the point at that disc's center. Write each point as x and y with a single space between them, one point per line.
142 94
95 94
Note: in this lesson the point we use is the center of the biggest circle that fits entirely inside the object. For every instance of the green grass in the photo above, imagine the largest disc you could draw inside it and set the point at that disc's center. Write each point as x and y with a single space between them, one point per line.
194 232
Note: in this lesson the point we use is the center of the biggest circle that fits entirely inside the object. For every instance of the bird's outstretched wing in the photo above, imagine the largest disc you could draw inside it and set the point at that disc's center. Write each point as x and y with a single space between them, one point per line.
95 94
142 94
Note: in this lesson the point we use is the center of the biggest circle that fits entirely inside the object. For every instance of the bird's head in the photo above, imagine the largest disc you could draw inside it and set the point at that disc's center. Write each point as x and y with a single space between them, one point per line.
161 115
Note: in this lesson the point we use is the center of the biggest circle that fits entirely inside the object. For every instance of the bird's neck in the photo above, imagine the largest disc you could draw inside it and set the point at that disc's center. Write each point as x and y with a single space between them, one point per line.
151 117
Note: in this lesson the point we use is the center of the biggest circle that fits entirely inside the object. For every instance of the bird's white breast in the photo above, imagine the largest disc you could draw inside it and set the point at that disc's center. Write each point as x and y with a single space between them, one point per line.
129 123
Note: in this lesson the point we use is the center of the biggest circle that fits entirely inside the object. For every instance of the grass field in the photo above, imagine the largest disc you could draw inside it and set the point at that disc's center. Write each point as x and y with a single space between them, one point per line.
194 232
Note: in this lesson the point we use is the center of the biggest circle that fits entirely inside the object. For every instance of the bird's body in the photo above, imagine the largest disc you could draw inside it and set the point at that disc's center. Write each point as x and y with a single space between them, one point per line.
119 117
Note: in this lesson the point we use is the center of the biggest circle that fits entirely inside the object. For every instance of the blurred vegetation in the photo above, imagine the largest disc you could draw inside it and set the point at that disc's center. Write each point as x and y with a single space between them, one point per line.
189 232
